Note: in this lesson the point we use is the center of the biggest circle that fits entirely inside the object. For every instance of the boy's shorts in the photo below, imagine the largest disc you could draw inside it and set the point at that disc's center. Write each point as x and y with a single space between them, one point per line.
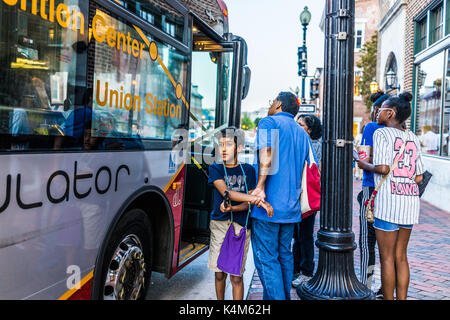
218 231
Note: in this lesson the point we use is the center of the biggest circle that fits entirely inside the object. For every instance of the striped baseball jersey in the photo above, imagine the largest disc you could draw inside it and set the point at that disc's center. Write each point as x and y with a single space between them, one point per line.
397 200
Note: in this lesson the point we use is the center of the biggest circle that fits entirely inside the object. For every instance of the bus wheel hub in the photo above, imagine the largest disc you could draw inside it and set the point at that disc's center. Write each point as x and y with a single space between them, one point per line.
125 274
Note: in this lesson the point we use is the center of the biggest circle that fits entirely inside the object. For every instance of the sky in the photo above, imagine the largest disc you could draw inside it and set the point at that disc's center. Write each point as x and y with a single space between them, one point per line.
273 33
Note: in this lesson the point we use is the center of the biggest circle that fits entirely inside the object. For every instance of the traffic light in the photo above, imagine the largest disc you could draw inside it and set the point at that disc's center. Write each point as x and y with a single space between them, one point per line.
314 88
302 62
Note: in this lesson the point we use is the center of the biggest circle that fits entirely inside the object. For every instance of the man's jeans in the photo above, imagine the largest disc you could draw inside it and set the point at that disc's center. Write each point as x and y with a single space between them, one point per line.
271 243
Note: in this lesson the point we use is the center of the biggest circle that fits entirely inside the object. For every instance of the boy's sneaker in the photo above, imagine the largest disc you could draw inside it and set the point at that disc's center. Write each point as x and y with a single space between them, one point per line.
379 294
301 278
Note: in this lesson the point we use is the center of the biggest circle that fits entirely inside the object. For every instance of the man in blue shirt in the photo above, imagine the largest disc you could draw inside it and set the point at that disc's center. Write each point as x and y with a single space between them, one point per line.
367 238
282 150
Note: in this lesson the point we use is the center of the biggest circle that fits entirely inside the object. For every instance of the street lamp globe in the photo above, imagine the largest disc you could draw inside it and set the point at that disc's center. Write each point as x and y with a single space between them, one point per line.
373 86
390 78
305 17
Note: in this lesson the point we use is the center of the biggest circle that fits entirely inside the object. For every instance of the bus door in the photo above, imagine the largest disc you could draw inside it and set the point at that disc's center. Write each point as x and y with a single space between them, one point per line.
219 81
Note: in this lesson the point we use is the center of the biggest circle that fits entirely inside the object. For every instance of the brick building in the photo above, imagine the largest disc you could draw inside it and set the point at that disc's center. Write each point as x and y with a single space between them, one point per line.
414 43
391 51
413 55
366 24
414 9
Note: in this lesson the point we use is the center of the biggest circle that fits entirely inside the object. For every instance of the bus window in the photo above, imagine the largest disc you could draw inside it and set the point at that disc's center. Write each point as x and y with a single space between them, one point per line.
43 74
225 76
158 13
210 93
135 93
203 94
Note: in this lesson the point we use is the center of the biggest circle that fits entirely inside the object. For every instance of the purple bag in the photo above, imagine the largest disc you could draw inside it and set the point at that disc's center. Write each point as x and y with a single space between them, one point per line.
231 254
232 251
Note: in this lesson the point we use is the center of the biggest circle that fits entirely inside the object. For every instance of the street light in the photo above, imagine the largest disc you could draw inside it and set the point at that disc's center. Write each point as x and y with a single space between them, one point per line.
373 86
422 76
305 18
391 80
335 277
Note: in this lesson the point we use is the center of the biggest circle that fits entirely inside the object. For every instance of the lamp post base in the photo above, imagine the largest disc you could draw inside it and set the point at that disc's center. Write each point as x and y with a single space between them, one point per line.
335 278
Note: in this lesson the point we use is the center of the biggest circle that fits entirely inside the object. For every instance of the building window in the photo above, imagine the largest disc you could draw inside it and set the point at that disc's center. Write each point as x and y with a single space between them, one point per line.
359 37
447 18
429 104
391 68
358 76
446 115
421 35
436 24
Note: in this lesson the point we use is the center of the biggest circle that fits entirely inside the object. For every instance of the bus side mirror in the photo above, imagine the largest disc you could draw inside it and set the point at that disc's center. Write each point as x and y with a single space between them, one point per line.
247 73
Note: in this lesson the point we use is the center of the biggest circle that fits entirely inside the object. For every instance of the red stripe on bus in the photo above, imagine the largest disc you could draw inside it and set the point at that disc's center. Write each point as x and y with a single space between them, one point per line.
84 293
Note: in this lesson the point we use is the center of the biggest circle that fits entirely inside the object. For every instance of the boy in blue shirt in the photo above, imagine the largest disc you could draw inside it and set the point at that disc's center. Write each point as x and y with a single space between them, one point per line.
234 180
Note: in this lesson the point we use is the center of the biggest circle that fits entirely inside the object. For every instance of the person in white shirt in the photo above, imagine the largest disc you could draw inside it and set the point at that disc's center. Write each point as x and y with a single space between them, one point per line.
397 204
430 141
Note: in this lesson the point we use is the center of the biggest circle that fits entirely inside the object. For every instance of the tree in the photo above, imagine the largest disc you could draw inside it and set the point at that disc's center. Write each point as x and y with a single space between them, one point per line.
256 121
295 91
247 123
368 64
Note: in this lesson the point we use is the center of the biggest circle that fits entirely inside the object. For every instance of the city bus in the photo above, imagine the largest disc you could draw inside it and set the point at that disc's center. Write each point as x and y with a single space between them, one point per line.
94 194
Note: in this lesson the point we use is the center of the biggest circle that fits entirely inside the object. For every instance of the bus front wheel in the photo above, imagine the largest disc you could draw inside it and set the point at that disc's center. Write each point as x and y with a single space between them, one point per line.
128 258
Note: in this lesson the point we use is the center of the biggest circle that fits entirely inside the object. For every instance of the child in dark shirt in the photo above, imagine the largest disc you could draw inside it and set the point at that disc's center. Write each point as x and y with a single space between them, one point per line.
237 180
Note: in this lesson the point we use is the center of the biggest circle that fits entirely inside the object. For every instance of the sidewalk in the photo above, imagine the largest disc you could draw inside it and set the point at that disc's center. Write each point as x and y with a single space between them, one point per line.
428 255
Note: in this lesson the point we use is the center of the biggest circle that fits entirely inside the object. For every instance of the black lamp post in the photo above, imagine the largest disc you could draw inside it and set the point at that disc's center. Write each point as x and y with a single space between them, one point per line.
305 18
335 278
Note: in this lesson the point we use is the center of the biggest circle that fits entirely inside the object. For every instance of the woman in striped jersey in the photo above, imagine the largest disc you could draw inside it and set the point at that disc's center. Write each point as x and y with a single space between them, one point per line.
397 202
367 238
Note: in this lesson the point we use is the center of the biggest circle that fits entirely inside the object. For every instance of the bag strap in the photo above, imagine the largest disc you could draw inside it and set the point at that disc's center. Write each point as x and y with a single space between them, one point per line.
310 153
246 190
394 165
